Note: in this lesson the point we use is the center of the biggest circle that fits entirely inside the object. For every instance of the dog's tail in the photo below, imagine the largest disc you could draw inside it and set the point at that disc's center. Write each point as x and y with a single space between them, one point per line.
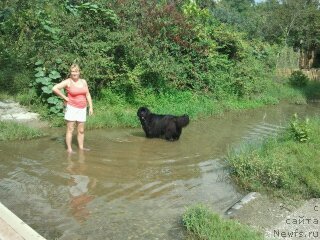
182 121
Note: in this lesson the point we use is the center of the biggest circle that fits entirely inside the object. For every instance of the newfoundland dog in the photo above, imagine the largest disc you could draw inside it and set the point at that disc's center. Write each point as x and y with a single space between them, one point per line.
168 127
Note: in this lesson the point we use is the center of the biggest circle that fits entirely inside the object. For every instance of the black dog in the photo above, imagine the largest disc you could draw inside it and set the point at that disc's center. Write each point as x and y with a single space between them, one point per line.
168 127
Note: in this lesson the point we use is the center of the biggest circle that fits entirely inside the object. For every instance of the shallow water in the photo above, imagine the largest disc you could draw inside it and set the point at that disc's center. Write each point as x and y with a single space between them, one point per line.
127 186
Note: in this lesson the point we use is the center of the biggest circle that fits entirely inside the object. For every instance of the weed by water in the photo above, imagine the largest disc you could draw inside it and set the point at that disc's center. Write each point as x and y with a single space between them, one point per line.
281 165
205 224
17 131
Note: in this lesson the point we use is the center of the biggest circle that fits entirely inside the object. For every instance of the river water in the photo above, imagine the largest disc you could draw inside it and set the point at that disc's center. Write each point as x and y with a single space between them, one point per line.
127 186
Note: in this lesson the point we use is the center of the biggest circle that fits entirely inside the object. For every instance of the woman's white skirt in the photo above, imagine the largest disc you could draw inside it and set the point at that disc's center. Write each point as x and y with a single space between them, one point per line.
74 114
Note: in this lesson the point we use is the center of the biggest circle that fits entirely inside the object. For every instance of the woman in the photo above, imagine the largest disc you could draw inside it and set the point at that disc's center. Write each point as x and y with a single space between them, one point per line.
76 105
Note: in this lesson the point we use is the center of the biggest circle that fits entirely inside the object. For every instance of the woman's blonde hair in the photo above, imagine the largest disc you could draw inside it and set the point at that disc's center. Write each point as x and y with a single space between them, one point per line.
74 66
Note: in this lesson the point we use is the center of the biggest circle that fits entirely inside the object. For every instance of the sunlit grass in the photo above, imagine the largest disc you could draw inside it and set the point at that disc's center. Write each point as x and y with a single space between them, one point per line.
17 131
281 165
114 110
205 224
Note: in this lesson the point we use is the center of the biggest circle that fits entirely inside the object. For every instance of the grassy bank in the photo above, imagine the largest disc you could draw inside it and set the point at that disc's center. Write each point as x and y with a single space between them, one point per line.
16 131
206 225
114 110
285 166
282 166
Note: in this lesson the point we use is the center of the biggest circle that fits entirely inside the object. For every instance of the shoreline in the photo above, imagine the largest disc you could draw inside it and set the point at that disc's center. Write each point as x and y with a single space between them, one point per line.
277 218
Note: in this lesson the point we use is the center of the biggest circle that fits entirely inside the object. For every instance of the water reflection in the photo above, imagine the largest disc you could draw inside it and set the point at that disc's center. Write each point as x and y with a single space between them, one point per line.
79 186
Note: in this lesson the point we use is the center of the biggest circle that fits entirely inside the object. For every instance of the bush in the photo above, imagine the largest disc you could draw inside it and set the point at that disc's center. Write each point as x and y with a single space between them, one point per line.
299 129
298 79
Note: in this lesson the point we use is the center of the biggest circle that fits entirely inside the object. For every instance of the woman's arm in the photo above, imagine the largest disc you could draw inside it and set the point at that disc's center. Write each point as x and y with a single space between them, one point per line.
57 89
89 99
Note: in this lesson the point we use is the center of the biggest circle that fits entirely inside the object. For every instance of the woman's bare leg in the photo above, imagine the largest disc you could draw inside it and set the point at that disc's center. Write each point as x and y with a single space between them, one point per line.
70 128
80 136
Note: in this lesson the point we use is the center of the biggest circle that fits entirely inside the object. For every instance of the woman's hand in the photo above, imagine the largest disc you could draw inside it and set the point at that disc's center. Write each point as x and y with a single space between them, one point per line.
66 100
90 111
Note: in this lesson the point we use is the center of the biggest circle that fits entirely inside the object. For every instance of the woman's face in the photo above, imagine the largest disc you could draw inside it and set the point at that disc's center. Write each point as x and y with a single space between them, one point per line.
75 74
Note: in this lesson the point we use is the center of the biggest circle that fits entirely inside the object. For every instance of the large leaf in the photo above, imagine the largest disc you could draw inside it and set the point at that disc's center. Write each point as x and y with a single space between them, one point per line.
53 100
54 109
44 80
39 74
54 74
39 62
47 89
58 61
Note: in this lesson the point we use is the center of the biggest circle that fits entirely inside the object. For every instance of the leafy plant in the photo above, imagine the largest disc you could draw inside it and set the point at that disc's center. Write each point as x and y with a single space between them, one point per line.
43 83
298 79
93 10
299 129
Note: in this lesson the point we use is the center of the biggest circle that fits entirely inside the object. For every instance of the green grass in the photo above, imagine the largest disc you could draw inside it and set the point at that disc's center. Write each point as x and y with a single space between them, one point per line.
312 90
114 110
202 222
281 165
5 96
16 131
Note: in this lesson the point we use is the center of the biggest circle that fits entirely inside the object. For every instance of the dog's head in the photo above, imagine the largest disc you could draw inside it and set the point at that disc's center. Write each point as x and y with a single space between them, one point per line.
143 112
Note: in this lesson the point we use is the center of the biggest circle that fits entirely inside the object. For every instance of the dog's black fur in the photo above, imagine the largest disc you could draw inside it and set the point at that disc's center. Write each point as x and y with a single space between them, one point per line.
168 127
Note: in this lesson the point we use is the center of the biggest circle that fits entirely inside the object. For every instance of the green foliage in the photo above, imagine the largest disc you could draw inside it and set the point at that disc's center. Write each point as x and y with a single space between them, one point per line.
239 5
298 79
16 131
288 58
43 84
312 90
90 10
248 165
205 224
113 109
300 130
135 48
280 165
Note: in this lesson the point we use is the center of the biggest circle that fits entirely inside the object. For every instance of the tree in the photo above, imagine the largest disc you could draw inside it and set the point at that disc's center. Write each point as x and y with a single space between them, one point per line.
238 5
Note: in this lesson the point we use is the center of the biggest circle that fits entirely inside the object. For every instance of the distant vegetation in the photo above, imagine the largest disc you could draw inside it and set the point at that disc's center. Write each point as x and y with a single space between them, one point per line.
138 51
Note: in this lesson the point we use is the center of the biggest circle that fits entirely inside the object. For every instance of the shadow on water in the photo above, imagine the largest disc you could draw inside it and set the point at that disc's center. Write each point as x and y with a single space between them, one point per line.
127 186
